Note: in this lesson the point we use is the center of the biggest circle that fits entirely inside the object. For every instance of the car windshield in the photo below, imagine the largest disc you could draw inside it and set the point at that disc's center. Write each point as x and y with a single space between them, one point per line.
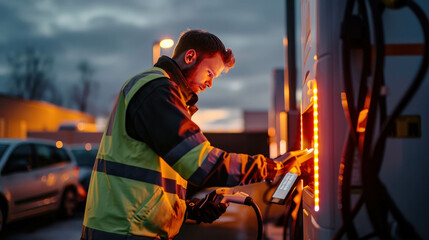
3 148
85 158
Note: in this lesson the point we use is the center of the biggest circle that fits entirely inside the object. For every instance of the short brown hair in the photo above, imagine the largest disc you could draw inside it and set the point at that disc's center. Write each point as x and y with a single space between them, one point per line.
205 44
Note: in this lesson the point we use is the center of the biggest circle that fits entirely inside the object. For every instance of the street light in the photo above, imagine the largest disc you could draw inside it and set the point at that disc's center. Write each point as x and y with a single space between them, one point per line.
164 43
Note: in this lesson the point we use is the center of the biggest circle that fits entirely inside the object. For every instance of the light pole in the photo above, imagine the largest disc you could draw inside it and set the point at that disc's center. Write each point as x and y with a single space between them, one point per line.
157 45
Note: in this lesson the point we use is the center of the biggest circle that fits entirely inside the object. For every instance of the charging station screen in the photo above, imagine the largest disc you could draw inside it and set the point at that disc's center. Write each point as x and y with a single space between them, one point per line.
285 188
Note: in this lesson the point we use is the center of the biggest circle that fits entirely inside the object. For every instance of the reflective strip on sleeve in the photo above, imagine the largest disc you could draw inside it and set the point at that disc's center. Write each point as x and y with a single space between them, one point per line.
192 160
142 175
236 163
184 147
206 167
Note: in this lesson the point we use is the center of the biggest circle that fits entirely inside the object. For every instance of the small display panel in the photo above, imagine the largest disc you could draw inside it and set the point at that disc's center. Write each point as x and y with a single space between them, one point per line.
285 188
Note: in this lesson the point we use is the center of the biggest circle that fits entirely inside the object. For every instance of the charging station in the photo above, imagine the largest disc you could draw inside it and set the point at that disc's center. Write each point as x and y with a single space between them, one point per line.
361 73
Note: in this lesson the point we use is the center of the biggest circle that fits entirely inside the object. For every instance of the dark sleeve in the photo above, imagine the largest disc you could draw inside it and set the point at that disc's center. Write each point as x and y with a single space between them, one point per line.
157 115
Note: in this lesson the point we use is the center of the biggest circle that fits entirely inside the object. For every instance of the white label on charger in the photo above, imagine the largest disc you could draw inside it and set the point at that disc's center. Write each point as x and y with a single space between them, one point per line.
285 186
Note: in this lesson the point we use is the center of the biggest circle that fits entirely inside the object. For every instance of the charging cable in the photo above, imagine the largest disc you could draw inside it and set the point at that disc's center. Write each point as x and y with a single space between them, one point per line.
230 195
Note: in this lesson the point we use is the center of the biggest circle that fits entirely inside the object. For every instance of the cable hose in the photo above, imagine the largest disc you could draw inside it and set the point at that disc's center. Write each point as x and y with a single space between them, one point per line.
376 153
259 217
351 113
415 84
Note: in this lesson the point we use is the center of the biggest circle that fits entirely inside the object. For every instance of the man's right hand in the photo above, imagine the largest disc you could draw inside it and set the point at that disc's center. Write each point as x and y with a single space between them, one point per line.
205 210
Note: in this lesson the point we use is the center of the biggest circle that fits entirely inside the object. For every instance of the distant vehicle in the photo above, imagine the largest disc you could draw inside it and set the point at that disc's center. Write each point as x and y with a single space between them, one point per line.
85 156
36 177
77 126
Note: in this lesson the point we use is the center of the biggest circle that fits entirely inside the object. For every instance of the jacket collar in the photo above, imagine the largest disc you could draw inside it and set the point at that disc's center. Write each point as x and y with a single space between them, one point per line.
176 75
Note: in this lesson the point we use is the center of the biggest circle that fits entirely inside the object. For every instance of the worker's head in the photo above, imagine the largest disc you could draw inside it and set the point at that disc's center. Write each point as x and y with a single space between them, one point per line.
202 57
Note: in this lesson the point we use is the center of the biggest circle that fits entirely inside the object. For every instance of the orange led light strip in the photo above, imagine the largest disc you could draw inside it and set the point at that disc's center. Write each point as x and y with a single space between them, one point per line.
302 133
316 148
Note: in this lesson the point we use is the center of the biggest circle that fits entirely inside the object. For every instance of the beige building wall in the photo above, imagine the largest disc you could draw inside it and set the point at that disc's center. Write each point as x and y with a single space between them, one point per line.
18 116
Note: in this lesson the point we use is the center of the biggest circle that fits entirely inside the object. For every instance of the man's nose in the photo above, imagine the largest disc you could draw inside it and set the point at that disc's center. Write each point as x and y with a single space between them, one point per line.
209 82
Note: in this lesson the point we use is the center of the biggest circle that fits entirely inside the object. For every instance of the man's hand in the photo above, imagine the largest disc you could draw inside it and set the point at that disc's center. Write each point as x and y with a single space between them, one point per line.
205 210
288 162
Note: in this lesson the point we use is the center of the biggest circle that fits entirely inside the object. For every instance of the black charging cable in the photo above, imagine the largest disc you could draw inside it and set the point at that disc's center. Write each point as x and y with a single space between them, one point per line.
371 158
259 217
354 34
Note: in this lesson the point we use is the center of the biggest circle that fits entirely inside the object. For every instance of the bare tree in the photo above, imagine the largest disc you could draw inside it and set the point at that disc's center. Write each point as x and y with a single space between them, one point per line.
31 73
86 86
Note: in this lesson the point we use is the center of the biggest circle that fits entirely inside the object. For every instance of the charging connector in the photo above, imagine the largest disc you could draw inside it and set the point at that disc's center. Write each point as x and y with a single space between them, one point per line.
227 195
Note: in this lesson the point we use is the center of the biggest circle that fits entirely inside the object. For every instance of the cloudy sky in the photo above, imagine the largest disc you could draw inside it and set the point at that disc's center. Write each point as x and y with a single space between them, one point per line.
116 37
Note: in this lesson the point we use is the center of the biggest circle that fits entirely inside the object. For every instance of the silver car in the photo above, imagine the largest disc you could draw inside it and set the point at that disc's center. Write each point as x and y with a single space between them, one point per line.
36 176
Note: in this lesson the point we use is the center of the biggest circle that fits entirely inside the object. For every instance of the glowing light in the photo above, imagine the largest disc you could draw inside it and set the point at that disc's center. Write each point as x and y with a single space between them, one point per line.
81 126
273 150
166 43
283 137
282 146
59 144
302 133
156 48
361 125
285 42
81 191
271 132
315 57
316 147
51 180
88 146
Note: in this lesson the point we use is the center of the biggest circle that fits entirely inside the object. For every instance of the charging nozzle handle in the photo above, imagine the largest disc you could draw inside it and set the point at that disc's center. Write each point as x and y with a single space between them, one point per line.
227 195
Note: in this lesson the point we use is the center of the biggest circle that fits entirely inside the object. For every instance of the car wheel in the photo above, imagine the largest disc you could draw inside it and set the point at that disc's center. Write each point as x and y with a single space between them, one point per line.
68 203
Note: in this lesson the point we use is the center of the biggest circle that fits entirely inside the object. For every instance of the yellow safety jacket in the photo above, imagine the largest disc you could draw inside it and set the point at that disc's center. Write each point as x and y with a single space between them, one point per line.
137 193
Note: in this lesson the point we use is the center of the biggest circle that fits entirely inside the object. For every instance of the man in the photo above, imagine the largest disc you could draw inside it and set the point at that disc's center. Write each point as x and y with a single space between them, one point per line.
151 149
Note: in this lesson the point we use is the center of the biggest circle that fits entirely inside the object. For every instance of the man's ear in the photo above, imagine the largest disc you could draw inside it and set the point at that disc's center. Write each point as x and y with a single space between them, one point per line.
190 56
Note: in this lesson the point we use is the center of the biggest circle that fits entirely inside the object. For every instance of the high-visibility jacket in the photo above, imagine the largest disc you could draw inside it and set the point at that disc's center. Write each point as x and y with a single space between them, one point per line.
137 193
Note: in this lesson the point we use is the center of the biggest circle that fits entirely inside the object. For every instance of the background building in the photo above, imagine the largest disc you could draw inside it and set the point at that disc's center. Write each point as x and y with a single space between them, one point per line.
18 116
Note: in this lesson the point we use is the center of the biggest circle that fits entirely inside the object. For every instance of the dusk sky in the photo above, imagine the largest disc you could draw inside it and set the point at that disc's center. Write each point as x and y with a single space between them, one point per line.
116 37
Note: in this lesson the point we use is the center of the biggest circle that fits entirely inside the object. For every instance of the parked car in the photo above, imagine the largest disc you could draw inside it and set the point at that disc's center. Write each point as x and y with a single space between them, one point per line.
36 177
85 155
